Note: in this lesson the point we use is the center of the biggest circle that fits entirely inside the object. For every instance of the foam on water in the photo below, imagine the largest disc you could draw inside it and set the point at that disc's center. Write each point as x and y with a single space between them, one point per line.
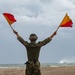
42 65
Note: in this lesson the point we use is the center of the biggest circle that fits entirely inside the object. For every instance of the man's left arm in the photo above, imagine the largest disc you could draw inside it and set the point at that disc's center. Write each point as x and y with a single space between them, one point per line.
20 38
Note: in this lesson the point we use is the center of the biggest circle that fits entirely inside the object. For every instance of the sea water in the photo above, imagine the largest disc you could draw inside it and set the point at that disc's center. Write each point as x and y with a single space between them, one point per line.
57 64
42 65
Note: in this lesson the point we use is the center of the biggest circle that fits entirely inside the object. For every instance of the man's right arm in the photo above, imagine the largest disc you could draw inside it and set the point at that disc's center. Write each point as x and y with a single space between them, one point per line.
53 35
47 40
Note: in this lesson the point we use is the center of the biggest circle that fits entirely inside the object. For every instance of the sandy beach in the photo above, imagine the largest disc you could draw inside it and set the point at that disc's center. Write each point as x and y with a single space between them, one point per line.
69 70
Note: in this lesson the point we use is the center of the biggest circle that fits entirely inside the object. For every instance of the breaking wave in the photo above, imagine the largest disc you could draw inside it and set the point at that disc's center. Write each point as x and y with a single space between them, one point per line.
68 60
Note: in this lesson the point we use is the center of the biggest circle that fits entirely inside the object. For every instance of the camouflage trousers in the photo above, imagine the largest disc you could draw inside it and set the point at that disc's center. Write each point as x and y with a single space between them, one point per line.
33 68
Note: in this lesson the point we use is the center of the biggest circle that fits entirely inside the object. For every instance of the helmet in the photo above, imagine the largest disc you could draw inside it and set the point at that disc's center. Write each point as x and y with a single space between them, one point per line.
33 37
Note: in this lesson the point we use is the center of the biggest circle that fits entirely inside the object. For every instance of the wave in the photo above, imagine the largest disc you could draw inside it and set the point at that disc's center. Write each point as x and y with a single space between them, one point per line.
68 60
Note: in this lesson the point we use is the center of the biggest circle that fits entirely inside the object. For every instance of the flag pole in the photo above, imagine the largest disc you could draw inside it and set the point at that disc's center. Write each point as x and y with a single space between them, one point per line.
11 27
60 23
57 28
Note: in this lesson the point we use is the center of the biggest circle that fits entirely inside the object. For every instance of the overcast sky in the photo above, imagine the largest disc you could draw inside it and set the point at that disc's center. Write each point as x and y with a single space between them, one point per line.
41 17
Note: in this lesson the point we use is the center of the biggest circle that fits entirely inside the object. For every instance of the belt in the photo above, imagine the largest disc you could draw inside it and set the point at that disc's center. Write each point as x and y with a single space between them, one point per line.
33 60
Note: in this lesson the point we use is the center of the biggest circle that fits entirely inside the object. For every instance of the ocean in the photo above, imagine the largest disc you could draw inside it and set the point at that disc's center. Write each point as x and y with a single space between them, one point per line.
42 65
57 64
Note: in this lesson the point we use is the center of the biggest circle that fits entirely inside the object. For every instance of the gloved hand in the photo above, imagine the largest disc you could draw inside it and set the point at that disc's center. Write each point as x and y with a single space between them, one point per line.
15 31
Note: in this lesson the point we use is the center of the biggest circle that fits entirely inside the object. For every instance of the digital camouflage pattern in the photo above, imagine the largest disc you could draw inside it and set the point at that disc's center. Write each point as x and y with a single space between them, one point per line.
33 50
33 68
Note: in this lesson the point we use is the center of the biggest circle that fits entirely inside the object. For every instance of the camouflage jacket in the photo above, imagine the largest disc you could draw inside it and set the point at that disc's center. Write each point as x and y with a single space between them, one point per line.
33 49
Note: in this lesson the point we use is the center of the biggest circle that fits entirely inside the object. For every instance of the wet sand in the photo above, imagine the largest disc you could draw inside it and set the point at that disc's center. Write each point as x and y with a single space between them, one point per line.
69 70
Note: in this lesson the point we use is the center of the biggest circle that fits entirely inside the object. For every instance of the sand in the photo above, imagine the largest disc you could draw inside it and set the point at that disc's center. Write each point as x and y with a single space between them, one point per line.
70 70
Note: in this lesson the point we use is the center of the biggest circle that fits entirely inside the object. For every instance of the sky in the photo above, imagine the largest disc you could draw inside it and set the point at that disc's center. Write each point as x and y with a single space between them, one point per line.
41 17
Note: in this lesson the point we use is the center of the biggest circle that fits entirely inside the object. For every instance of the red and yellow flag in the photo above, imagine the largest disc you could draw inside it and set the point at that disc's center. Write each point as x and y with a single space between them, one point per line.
66 22
10 18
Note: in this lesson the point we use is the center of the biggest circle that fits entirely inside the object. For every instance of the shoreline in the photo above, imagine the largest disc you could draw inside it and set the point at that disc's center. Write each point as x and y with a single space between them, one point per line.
64 70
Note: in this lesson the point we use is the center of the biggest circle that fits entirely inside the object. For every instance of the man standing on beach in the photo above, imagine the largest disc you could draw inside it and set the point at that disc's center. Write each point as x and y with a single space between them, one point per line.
33 50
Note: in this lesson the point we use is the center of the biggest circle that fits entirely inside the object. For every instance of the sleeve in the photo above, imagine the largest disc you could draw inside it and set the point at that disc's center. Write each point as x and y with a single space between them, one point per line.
44 42
22 40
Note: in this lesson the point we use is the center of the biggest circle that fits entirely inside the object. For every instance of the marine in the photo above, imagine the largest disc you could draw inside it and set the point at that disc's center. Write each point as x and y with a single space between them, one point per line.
33 51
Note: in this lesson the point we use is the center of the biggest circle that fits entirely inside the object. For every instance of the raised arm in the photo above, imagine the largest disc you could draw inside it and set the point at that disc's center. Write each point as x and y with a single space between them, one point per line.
53 35
47 40
20 38
16 33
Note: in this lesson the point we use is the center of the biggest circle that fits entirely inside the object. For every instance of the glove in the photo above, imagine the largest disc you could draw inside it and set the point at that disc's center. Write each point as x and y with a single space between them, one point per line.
15 32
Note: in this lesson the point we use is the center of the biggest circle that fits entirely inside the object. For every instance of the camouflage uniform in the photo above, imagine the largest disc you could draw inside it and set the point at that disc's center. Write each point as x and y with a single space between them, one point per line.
33 50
